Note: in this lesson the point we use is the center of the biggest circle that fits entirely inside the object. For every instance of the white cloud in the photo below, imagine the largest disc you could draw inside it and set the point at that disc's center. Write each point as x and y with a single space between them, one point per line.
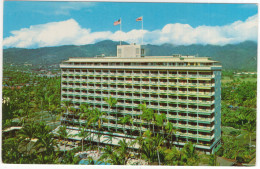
70 32
65 8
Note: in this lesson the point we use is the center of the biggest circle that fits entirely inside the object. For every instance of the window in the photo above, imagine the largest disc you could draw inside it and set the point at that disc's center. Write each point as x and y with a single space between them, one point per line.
142 51
137 51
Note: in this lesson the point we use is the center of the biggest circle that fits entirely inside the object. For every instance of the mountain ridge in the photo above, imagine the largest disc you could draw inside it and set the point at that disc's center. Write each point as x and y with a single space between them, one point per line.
231 56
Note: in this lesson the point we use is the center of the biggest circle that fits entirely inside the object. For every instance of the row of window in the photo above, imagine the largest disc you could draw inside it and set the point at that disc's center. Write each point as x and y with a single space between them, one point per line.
137 64
136 103
134 72
119 94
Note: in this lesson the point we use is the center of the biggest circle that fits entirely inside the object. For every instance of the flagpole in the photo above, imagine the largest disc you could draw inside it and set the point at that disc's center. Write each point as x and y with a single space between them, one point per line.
142 29
120 30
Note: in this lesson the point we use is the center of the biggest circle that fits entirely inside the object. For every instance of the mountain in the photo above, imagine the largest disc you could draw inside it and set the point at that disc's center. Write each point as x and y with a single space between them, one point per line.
242 56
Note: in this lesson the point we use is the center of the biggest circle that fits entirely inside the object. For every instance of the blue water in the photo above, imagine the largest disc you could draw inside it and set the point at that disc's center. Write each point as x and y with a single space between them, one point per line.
85 162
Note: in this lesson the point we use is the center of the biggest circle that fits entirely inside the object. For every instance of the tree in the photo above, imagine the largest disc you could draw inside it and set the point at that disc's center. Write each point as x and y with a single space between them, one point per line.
27 133
213 160
189 154
158 141
173 156
67 105
48 144
70 158
251 128
84 134
107 151
170 131
147 114
111 103
63 133
74 111
98 118
160 118
112 156
123 150
124 120
10 151
54 111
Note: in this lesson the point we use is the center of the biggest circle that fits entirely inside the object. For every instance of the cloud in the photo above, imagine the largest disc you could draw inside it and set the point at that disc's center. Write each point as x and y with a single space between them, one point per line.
65 8
184 34
69 32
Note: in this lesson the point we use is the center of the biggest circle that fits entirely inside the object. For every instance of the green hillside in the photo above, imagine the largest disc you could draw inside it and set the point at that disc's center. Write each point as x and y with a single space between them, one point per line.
242 56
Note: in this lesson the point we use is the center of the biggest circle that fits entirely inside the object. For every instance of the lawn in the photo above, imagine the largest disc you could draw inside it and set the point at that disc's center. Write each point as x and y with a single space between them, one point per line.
239 134
226 79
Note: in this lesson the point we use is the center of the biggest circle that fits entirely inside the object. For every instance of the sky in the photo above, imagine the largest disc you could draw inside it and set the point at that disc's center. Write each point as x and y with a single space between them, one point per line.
35 24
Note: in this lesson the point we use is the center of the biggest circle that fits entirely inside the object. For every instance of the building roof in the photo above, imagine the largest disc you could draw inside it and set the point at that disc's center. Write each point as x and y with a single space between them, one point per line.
145 59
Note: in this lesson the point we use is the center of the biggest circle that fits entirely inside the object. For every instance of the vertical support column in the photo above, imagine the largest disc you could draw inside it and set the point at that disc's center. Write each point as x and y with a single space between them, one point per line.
197 105
177 90
187 100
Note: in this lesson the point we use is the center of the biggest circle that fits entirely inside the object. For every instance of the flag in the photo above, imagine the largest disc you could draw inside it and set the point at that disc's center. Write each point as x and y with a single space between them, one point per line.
117 22
139 19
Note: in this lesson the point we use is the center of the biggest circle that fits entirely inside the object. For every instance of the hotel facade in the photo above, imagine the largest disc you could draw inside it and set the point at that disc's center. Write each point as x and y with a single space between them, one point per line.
187 89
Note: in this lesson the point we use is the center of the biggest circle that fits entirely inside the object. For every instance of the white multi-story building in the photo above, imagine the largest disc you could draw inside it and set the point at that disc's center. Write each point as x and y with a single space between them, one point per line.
187 89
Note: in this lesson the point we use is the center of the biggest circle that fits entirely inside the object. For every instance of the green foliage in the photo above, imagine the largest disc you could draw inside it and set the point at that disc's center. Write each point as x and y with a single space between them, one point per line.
239 93
26 93
186 156
238 118
235 133
27 151
118 155
232 150
69 158
213 160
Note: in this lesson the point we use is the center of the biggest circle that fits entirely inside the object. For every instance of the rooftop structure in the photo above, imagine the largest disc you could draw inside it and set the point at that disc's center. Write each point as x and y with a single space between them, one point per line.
187 89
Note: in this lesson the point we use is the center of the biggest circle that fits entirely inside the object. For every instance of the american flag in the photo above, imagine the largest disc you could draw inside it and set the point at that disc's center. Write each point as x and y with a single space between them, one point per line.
117 22
139 19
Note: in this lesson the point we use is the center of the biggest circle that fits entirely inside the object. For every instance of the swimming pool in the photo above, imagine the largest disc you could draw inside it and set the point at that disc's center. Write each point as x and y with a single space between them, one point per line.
86 162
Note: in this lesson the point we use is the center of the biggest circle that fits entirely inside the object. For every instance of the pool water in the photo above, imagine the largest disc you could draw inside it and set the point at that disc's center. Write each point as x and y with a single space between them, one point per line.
86 162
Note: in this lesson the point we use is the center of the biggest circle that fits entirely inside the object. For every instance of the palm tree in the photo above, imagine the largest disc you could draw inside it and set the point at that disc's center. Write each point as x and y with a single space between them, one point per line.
54 111
132 123
143 108
69 158
158 141
173 156
111 103
107 151
27 133
84 134
124 120
123 150
250 127
67 104
189 154
160 118
139 140
98 118
148 147
85 113
109 139
64 135
170 130
213 160
73 111
48 143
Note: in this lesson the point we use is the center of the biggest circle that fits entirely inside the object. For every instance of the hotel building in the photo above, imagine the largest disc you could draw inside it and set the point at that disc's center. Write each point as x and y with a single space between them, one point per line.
187 89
